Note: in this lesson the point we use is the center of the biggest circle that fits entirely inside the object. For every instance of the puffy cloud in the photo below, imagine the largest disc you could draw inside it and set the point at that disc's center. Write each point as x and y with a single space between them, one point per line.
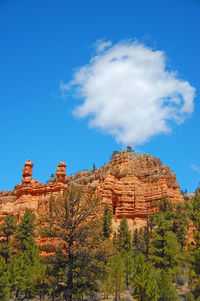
128 93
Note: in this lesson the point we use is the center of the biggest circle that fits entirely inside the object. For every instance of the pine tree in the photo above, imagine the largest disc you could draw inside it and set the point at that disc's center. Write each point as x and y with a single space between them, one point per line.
107 222
167 291
114 153
181 224
116 276
7 229
128 263
144 286
124 236
195 251
130 149
26 262
72 223
115 240
123 245
138 242
195 217
4 280
190 297
164 250
25 229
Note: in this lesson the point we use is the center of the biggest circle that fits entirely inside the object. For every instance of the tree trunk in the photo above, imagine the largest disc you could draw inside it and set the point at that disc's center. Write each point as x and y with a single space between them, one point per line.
70 272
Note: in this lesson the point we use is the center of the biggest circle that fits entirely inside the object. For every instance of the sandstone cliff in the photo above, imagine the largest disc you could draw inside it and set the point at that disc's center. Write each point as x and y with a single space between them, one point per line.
128 183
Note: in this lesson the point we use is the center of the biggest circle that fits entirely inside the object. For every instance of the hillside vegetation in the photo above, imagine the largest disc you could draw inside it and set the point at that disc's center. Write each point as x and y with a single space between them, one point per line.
160 262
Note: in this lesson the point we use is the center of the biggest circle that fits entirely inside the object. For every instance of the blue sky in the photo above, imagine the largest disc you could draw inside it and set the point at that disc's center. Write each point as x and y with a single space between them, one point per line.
68 74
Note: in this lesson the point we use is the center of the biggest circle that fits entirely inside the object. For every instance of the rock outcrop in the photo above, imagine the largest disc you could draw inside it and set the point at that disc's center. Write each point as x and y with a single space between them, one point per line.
128 183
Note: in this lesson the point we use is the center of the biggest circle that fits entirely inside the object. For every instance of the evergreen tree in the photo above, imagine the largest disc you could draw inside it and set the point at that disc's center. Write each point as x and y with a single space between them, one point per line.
71 222
106 284
195 217
7 229
138 242
144 286
4 280
195 250
123 244
25 230
113 154
130 149
115 280
26 262
190 297
124 236
115 240
181 223
167 291
164 250
107 222
128 263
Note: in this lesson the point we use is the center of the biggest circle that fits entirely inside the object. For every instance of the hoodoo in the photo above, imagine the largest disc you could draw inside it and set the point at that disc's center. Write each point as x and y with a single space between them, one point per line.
128 183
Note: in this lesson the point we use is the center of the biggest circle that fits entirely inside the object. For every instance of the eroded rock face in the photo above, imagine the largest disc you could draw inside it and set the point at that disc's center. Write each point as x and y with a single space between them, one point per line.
128 183
61 172
7 197
31 195
27 172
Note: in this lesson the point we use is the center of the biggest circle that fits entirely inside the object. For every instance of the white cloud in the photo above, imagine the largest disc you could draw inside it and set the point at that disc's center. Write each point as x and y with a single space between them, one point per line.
195 168
128 93
101 45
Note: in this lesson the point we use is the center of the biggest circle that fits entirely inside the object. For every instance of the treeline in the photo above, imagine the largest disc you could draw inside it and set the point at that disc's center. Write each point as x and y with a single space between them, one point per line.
160 262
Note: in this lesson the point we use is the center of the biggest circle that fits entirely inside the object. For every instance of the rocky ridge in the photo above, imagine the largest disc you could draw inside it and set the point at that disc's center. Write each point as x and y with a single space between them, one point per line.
128 183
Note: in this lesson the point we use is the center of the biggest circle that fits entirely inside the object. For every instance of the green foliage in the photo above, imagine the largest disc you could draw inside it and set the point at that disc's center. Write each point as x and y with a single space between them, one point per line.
130 149
71 222
7 229
113 154
164 249
84 263
195 217
4 280
26 262
144 287
190 297
115 281
194 209
25 229
167 291
180 223
138 242
107 222
124 236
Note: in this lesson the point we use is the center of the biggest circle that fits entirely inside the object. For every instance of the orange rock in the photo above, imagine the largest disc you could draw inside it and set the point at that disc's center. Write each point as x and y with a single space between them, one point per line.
27 172
61 172
128 183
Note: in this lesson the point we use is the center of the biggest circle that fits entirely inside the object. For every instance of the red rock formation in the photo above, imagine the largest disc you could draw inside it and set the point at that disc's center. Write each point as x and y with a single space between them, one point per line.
128 183
61 172
30 195
27 172
7 197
